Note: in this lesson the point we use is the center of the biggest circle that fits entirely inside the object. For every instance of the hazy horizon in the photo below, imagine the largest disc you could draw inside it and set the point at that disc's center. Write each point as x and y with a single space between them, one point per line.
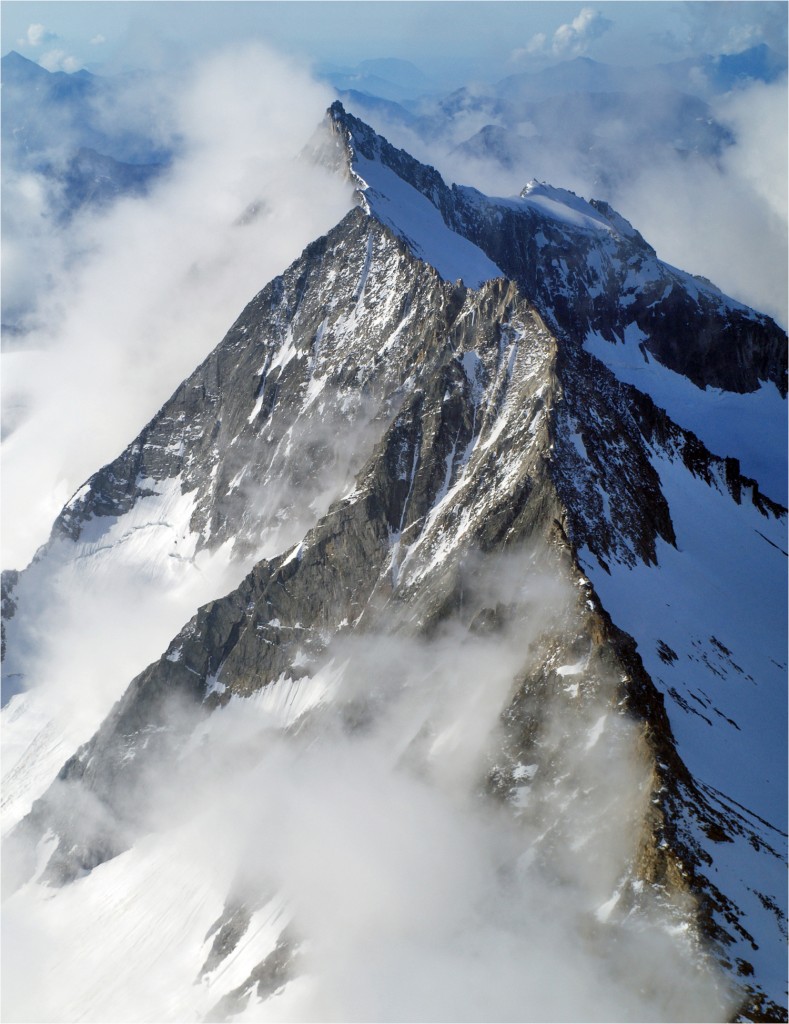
486 40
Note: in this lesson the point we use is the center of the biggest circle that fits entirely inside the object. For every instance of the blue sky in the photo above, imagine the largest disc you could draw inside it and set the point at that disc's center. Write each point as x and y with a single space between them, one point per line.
449 39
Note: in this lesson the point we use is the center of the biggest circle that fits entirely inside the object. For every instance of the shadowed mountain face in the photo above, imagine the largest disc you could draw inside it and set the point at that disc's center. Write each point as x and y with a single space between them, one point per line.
497 569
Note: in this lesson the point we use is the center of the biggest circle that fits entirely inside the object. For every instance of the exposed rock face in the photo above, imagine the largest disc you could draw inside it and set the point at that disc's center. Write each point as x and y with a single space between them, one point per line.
245 417
417 435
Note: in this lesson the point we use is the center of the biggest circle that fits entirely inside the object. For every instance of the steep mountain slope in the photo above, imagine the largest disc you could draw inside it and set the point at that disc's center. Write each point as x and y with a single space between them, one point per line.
423 442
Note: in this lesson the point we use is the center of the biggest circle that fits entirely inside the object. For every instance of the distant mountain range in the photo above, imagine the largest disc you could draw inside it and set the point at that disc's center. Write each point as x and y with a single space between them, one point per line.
398 80
579 109
63 127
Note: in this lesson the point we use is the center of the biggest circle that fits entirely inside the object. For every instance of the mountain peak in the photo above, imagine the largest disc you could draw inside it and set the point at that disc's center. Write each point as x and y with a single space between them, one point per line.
411 199
549 240
15 62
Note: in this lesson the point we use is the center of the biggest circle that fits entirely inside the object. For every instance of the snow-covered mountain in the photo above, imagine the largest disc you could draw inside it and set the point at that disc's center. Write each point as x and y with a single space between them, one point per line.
487 503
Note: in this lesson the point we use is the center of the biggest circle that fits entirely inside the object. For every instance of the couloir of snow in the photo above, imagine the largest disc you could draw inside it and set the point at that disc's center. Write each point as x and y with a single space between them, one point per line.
414 218
751 427
716 607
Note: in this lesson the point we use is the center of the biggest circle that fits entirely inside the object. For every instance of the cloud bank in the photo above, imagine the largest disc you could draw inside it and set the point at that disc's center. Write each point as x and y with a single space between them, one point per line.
37 35
126 301
346 810
725 220
571 39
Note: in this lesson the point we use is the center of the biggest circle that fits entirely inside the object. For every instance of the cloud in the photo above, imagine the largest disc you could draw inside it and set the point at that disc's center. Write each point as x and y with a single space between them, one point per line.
719 27
349 807
574 38
725 220
59 60
569 40
129 299
97 40
535 45
758 118
37 35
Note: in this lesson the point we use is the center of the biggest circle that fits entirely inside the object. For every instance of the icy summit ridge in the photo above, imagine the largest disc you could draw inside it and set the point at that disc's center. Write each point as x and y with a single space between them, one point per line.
586 269
365 148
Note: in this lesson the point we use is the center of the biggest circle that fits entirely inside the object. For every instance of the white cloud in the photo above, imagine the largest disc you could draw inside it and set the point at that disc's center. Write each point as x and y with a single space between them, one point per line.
97 40
37 35
573 38
535 45
569 40
59 60
725 220
719 27
376 843
758 118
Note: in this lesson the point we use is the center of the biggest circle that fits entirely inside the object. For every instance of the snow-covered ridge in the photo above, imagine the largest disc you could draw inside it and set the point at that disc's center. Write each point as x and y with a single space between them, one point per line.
371 156
407 197
566 207
414 218
585 267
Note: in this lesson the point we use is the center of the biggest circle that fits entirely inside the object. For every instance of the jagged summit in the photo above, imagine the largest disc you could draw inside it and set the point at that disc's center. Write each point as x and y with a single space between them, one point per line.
450 464
15 61
599 285
364 149
523 235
